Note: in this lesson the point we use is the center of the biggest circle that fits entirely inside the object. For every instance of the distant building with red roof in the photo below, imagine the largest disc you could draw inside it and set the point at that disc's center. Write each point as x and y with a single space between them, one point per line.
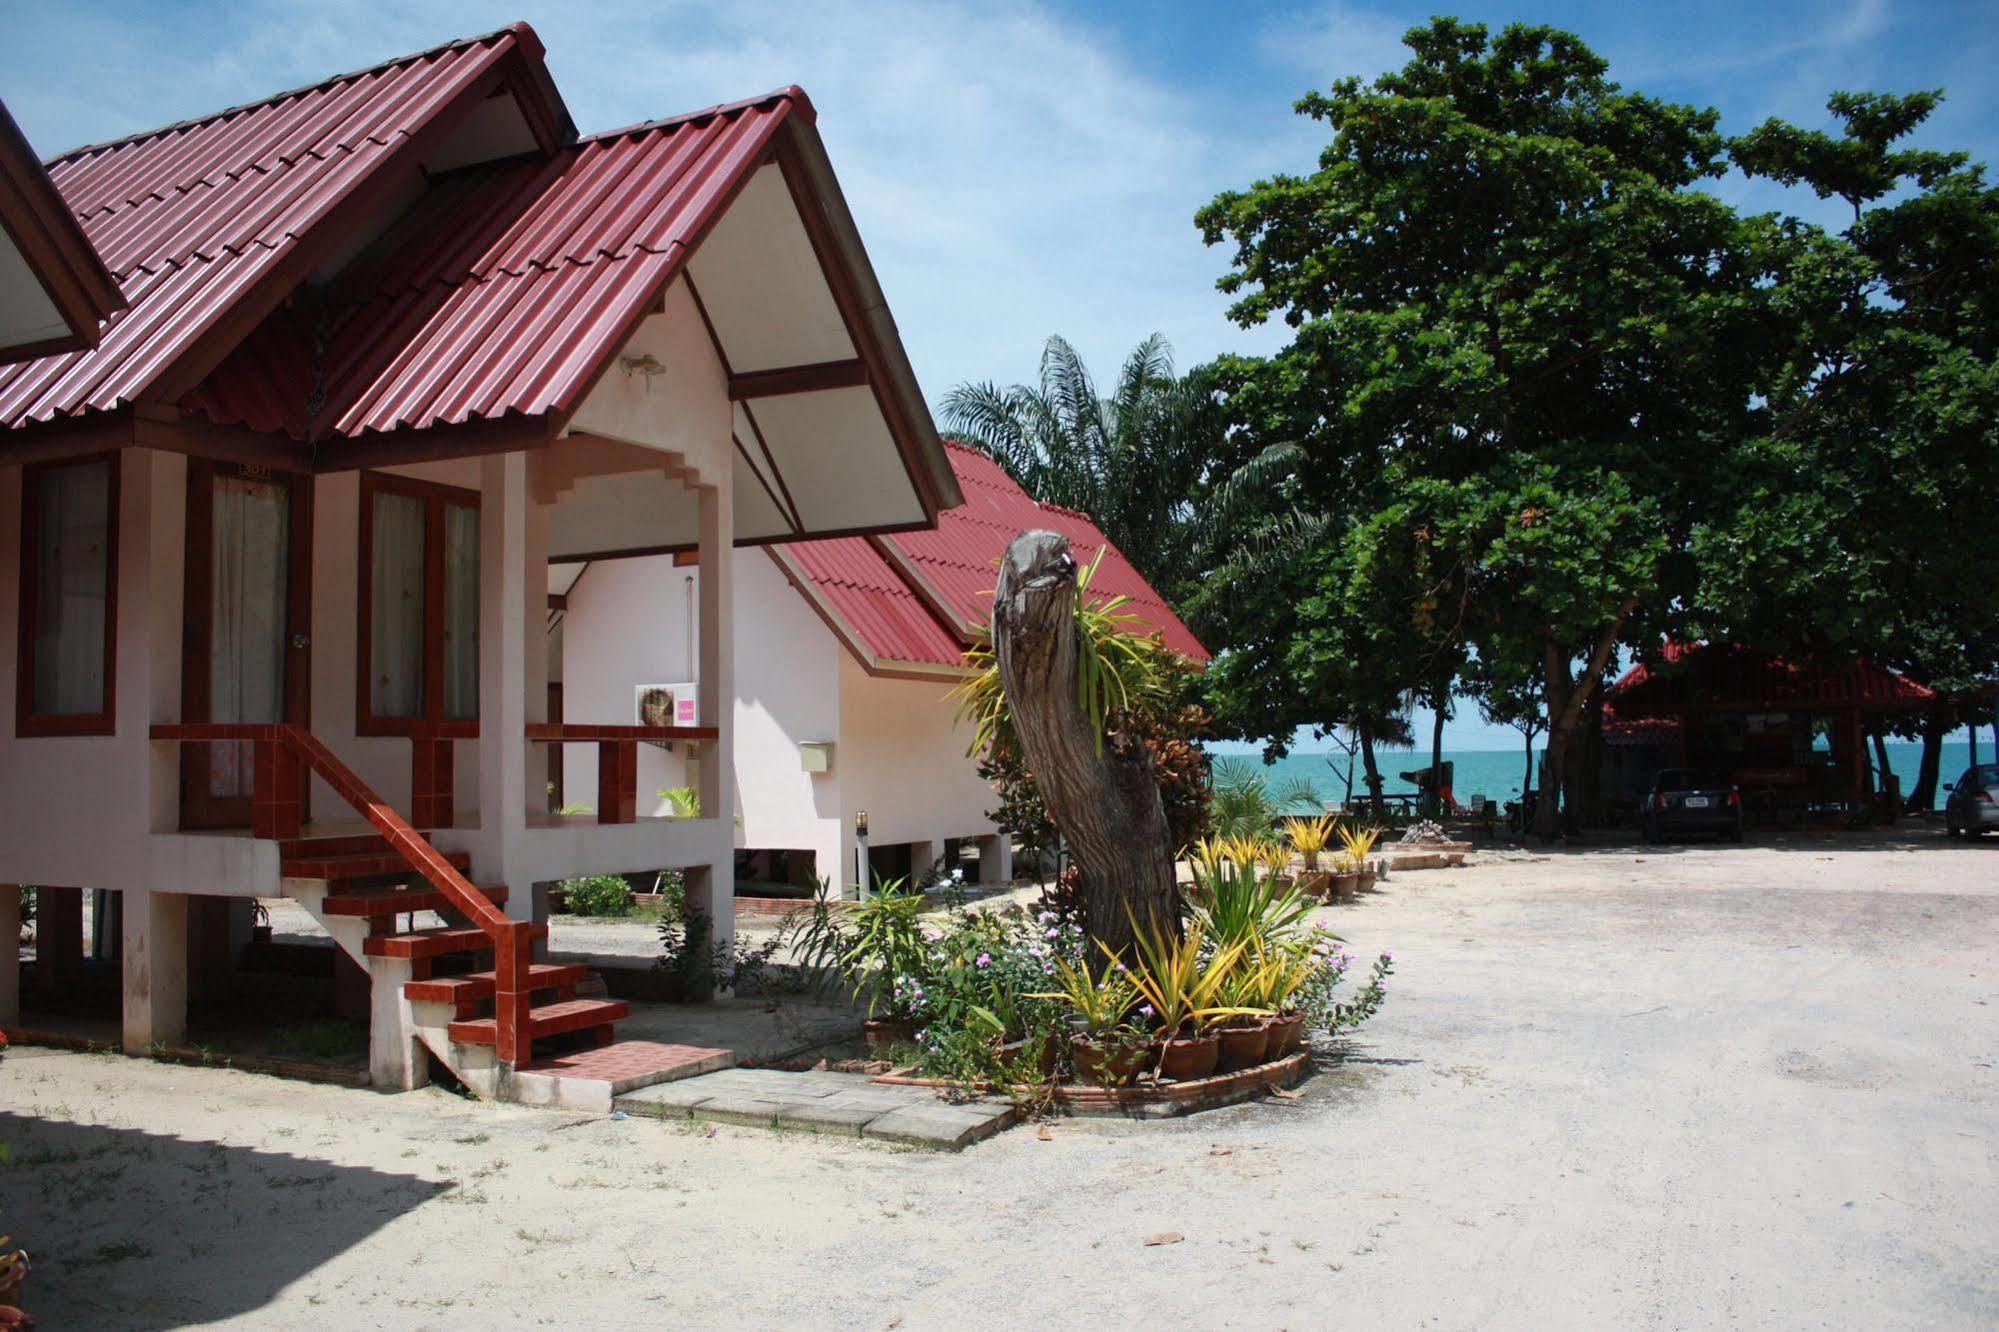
845 650
1757 716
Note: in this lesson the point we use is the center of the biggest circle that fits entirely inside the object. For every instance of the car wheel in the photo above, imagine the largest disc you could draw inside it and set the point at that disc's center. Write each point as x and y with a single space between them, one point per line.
1951 830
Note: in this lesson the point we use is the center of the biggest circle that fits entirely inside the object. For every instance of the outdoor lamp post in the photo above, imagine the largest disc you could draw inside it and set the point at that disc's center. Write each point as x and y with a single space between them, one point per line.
861 854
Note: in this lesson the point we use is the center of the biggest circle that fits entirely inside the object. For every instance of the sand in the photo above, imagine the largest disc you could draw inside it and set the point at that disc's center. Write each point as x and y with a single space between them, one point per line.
1632 1087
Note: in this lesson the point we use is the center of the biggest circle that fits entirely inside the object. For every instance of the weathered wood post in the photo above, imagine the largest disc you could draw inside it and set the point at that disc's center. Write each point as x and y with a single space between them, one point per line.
1107 805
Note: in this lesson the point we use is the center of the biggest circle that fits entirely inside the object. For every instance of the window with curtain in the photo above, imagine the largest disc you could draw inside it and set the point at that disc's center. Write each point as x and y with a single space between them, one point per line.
420 577
69 550
249 587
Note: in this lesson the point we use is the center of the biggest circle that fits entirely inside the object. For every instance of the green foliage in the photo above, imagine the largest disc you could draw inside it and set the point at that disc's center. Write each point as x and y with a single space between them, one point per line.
1237 901
598 895
1245 805
684 802
884 941
701 964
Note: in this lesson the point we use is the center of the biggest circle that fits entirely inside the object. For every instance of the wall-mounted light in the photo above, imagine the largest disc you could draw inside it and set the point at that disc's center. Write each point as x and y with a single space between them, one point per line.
647 365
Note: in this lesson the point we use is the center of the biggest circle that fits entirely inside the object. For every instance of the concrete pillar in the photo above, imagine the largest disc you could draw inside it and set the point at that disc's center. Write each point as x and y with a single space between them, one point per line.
996 858
155 969
833 857
58 940
397 1059
10 954
540 759
713 888
922 859
503 652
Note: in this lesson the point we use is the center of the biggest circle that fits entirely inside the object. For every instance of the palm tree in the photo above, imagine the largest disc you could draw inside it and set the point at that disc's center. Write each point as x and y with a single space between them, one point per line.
1130 461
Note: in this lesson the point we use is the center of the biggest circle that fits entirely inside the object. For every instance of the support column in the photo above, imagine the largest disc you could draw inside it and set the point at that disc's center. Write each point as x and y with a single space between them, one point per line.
10 954
714 891
996 858
155 969
503 647
58 940
922 859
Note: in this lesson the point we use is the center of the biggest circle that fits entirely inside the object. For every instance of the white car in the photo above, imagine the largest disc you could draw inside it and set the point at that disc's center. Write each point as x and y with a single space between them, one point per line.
1973 806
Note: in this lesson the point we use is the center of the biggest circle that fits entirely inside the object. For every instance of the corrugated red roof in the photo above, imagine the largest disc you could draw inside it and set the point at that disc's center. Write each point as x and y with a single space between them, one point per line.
925 596
1727 677
879 612
190 218
431 328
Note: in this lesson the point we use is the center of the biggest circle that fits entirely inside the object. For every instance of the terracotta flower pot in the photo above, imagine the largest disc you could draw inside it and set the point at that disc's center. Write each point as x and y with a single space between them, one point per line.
885 1033
1044 1057
1346 882
1242 1047
1185 1058
1287 1033
1106 1066
1364 881
1316 883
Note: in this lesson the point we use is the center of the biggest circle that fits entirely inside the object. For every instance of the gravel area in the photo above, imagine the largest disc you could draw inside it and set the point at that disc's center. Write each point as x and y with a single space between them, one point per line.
1660 1087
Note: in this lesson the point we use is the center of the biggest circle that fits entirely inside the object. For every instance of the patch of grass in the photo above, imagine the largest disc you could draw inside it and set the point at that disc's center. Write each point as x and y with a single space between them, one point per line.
323 1038
473 1139
117 1252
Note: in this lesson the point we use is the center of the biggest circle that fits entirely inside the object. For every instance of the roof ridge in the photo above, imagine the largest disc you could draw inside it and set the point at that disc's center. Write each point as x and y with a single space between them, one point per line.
791 92
519 31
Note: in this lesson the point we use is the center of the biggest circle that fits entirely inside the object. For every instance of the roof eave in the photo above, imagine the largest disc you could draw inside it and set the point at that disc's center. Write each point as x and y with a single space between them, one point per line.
58 253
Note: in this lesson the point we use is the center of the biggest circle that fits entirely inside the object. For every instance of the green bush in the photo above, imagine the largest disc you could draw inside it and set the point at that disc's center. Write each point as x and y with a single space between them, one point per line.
598 895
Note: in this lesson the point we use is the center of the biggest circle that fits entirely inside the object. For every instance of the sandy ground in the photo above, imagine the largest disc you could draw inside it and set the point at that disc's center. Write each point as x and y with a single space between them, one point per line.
1687 1088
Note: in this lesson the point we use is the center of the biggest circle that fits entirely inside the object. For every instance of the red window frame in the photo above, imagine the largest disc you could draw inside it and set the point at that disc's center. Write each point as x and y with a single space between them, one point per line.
28 722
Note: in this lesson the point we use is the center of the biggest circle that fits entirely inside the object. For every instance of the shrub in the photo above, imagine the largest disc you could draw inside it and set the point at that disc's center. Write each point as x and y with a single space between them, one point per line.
598 895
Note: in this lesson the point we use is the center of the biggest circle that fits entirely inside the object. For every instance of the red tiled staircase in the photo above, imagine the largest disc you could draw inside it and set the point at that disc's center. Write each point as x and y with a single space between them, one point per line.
468 990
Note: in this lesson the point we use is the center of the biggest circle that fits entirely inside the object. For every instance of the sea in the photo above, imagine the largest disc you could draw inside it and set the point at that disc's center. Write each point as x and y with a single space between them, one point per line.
1496 773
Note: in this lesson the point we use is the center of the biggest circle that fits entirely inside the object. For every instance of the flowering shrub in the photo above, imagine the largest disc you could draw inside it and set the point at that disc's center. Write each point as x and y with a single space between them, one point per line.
1318 997
986 982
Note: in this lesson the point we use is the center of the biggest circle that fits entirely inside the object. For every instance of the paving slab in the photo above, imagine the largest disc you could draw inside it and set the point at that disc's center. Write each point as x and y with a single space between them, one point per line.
824 1102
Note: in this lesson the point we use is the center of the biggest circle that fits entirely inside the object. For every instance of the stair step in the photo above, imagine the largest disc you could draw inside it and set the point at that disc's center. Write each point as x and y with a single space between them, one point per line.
545 1020
479 984
436 942
361 865
307 848
420 896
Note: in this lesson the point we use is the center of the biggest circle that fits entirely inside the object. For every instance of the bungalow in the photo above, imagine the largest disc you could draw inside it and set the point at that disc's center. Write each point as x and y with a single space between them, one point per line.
283 531
845 649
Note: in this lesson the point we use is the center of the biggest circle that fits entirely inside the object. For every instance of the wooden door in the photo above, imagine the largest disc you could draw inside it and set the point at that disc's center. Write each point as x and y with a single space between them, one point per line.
247 650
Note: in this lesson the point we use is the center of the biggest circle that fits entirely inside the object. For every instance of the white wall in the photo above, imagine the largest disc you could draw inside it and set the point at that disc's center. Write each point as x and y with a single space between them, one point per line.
897 751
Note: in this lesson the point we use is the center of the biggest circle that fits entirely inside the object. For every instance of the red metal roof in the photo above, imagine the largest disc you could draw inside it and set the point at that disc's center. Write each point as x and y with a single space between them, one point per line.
1725 677
873 607
925 596
433 327
191 218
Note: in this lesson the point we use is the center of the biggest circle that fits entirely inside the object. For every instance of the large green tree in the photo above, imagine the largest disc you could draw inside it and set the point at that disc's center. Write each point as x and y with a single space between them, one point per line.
1522 331
1860 522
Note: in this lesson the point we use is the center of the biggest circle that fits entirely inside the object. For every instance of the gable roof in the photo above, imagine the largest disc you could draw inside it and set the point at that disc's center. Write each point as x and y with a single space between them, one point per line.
54 290
422 260
1727 677
207 224
919 599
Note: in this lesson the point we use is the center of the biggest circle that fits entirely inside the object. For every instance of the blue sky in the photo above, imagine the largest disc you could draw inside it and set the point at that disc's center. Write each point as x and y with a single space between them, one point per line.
1016 169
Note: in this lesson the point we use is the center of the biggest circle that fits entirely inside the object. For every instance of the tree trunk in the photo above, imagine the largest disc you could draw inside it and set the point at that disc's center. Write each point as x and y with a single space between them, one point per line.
1373 771
1565 697
1437 762
1923 795
1882 772
1105 804
1527 782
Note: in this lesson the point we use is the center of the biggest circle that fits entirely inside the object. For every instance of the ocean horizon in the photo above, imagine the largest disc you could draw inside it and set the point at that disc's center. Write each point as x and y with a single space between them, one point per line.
1496 774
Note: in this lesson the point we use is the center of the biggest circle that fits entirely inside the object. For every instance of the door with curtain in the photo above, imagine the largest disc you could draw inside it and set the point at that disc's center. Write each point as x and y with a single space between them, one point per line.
246 651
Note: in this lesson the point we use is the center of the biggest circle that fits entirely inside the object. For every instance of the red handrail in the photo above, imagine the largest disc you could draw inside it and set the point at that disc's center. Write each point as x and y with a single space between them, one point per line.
512 939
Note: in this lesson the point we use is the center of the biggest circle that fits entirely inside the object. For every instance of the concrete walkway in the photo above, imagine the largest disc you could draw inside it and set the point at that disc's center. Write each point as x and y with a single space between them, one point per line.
841 1103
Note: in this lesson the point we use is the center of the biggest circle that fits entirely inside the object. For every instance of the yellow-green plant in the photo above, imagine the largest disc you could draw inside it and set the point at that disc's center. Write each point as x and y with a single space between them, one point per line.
1117 666
1254 983
1357 843
1279 975
1104 1003
1173 978
1311 837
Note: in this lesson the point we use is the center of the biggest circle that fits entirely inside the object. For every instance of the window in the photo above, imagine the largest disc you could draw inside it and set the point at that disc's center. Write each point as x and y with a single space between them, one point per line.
69 596
419 607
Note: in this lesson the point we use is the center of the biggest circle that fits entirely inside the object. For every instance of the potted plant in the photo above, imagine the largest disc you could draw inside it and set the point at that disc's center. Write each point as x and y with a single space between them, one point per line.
885 957
1283 978
1310 838
1244 1035
1356 845
1181 994
1106 1049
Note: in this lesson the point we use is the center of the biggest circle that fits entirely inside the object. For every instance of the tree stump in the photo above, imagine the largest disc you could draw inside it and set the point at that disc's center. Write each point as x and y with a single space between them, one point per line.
1106 804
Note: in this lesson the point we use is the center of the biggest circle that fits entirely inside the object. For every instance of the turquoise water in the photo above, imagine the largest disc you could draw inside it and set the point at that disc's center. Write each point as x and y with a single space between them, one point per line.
1495 774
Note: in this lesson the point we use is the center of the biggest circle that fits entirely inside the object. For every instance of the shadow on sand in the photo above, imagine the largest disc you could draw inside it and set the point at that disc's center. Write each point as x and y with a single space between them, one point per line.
139 1230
